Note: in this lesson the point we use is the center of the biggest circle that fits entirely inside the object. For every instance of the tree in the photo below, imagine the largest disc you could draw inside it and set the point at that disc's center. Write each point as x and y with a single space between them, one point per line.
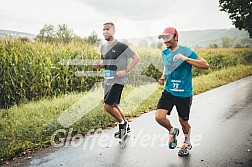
60 35
226 42
213 45
153 45
93 39
143 43
64 34
160 45
46 34
246 42
238 45
240 12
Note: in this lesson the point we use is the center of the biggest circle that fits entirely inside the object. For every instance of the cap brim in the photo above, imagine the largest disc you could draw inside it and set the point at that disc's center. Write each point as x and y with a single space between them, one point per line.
162 36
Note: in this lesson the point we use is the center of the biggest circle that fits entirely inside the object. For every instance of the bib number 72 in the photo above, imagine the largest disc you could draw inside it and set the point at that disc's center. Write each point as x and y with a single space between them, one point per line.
175 85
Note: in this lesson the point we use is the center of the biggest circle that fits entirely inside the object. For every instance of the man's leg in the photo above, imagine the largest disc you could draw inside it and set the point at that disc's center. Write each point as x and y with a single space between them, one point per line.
112 96
120 110
184 149
183 107
162 119
113 112
186 127
111 105
164 107
123 117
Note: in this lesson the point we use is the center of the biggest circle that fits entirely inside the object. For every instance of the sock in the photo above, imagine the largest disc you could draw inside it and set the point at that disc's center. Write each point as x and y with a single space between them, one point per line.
171 131
187 137
121 122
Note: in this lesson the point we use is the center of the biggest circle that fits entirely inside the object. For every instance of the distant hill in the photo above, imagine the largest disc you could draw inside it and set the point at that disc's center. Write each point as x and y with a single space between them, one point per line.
199 38
5 33
196 38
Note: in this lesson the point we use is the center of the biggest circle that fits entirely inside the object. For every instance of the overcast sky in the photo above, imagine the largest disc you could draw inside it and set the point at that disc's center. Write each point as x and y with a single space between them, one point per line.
133 18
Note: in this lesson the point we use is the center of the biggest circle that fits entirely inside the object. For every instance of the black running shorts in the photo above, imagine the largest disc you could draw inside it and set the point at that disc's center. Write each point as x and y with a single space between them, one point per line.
112 94
183 105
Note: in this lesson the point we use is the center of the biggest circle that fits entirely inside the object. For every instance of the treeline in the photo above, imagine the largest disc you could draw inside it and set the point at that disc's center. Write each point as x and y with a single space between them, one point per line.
224 42
63 34
227 42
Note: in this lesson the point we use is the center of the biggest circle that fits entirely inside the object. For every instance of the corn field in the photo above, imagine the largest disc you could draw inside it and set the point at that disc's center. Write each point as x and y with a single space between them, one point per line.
31 71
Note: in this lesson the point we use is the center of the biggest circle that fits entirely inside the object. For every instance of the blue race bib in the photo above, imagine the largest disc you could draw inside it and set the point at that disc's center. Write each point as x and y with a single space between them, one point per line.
109 74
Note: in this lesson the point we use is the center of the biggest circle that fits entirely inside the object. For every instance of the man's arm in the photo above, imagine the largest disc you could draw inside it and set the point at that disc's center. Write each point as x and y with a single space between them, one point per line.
162 79
163 74
98 64
135 61
199 63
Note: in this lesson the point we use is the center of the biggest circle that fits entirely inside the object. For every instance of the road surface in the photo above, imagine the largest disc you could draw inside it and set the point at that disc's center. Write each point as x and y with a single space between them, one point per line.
221 121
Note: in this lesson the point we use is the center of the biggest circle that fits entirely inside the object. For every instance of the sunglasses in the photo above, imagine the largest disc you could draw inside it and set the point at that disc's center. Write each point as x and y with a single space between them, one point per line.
169 38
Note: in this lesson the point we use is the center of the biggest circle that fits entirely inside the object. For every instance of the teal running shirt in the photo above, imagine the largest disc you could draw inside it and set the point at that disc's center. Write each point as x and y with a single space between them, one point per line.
178 73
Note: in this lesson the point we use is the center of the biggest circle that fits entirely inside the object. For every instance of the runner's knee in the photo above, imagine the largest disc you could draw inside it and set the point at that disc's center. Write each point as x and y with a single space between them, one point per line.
160 116
106 106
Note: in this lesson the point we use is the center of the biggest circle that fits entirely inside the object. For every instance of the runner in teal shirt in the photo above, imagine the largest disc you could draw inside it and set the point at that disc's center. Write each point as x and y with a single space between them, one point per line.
178 61
178 73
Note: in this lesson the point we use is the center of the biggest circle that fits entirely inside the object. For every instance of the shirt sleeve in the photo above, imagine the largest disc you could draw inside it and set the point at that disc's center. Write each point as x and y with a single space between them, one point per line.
193 55
129 52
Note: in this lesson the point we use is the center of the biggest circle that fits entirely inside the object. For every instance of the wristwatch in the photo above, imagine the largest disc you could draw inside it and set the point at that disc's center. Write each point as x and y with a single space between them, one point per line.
127 70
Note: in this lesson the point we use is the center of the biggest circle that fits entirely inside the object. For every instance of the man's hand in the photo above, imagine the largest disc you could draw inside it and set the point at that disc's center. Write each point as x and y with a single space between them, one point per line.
180 57
96 65
121 73
161 81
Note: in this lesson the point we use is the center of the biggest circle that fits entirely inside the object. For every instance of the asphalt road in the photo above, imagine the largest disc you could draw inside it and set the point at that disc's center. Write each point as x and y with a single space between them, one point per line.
221 121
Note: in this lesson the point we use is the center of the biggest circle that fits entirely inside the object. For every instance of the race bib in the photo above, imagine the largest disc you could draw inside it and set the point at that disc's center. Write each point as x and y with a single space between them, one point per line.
176 85
108 74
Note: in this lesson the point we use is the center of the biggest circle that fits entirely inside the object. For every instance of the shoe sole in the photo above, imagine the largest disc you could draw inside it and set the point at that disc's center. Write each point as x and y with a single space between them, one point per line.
179 154
117 137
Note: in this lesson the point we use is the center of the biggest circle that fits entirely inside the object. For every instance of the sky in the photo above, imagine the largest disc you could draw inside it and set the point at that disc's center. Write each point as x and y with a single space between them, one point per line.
132 18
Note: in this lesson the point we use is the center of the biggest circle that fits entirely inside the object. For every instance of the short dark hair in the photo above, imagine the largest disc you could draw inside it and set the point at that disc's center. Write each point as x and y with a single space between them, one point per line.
110 23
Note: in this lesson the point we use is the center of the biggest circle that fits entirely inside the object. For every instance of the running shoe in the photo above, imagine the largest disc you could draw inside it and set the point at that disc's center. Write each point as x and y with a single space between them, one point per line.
172 143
